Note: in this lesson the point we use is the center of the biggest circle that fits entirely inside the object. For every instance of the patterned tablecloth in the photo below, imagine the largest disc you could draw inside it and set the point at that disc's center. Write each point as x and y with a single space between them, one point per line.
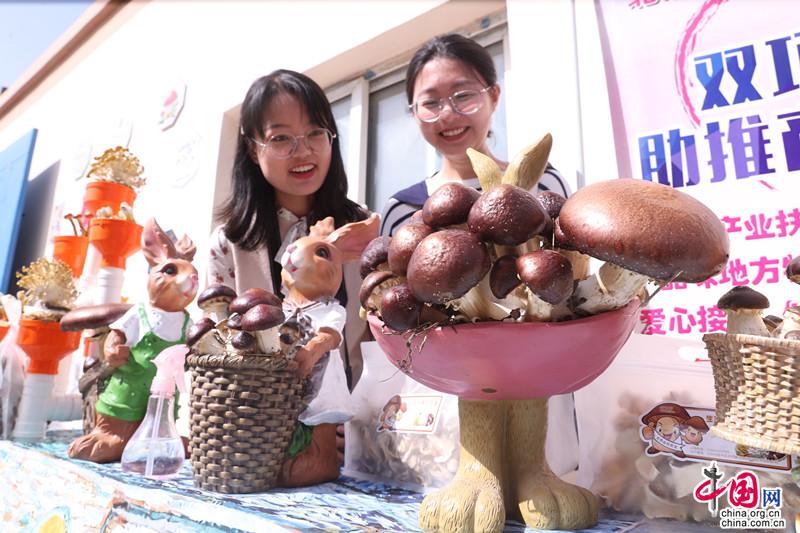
41 489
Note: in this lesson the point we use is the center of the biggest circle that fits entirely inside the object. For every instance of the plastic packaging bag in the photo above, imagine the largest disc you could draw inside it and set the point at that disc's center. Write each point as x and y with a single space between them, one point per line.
643 434
331 402
12 367
404 432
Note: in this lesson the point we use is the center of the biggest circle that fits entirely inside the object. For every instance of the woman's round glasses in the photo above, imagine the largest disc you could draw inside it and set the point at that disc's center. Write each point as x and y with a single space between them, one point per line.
284 145
462 102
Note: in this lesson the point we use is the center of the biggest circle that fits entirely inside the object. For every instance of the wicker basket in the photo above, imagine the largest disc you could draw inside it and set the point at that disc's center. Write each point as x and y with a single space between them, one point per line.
757 382
244 410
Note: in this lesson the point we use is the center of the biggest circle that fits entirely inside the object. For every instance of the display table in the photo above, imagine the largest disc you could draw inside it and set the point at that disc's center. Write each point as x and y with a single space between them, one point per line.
43 490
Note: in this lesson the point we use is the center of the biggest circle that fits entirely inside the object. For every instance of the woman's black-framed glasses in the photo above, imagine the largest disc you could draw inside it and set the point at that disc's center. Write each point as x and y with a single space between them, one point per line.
462 102
284 145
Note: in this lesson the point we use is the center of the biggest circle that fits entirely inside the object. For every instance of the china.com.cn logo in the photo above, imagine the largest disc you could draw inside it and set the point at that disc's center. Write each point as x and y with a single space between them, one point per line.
749 506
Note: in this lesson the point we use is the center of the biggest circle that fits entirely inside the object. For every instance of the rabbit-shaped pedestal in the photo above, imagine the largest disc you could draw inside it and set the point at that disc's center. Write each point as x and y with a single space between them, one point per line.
136 339
312 275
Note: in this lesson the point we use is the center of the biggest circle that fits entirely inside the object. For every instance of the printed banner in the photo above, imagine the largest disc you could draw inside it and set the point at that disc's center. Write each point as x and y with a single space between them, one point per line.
705 98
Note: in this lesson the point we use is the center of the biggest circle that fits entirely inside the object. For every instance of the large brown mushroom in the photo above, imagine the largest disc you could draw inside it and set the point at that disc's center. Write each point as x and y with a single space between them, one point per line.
251 298
94 317
743 307
449 205
403 244
507 215
648 230
447 264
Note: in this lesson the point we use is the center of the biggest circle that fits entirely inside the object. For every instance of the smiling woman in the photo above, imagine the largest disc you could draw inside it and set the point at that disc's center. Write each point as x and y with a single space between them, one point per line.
287 175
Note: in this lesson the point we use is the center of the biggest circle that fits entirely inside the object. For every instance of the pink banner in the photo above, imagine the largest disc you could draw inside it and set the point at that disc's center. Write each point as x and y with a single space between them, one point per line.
705 98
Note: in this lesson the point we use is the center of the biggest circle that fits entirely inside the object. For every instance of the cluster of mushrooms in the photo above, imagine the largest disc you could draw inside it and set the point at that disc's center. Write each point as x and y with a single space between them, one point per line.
744 307
48 290
506 254
249 323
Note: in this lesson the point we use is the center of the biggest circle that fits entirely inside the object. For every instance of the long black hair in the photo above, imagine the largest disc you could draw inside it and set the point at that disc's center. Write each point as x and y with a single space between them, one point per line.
250 215
452 46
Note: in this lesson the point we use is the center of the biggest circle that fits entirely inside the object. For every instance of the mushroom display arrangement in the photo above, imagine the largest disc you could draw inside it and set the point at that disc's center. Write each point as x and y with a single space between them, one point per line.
48 290
516 265
118 165
245 324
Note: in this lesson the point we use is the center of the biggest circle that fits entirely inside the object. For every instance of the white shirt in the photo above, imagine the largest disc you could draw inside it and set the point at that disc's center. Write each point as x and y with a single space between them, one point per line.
166 325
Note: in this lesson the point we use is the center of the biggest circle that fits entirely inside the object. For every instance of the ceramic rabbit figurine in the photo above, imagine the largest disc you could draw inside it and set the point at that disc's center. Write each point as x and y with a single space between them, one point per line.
136 339
312 275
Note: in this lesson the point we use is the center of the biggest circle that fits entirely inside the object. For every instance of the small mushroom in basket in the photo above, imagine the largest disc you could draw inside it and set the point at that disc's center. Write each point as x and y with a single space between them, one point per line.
400 310
214 301
743 307
263 320
204 338
791 323
244 342
373 288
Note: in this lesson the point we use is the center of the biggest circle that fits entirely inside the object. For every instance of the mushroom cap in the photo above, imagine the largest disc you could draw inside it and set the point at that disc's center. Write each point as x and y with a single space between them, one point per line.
400 310
449 205
416 217
548 274
552 202
251 298
376 253
743 297
215 293
503 277
772 322
261 317
793 270
447 264
370 283
235 321
93 316
197 330
666 409
651 229
508 215
242 340
403 244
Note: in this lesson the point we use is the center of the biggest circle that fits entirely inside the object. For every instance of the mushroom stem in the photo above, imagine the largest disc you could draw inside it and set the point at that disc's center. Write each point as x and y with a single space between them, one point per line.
217 311
480 304
537 310
610 288
791 322
747 322
268 340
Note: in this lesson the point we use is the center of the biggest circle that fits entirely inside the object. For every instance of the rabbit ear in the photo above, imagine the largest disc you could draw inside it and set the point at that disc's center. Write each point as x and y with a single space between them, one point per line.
156 245
322 228
352 238
186 248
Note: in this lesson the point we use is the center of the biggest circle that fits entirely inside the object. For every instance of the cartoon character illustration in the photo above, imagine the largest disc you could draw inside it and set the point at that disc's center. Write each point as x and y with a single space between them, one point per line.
662 429
392 411
693 430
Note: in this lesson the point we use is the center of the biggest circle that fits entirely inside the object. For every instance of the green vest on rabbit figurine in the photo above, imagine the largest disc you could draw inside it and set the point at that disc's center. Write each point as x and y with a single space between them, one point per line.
136 339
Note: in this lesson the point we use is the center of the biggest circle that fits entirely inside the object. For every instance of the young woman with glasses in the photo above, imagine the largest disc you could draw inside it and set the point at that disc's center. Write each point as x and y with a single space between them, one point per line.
452 91
287 175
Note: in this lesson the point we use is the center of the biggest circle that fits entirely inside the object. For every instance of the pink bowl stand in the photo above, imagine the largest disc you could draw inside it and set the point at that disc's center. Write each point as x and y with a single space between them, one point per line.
511 361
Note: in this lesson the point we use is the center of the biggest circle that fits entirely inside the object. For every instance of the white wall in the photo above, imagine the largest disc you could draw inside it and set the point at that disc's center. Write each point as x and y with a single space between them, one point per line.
111 90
